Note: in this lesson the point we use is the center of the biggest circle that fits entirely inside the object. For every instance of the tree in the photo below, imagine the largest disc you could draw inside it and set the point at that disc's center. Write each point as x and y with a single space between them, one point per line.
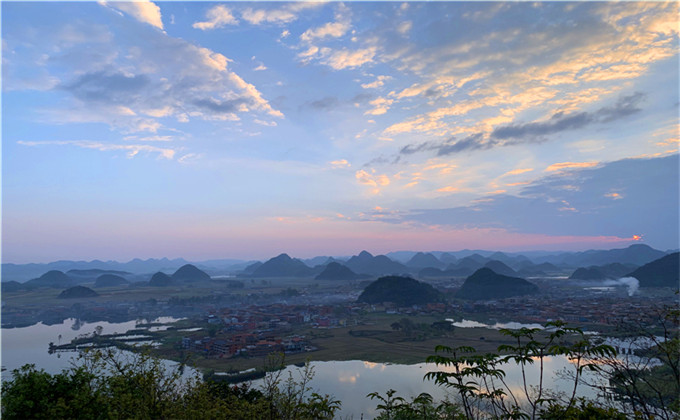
294 399
480 382
645 379
33 393
112 384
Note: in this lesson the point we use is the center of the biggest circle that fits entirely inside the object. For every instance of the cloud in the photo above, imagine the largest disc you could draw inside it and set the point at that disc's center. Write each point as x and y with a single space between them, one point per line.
404 27
330 30
517 171
189 158
345 58
131 150
254 95
448 189
372 179
380 106
512 134
286 14
146 73
329 102
143 10
549 205
340 163
450 146
149 138
107 87
221 107
624 107
379 82
265 123
218 17
614 196
570 165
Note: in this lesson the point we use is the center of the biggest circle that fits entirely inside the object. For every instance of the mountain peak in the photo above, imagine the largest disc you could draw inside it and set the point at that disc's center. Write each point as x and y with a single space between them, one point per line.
189 272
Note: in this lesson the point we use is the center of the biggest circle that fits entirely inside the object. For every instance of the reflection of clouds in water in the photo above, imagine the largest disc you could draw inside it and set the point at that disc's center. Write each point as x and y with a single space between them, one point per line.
466 323
29 344
352 379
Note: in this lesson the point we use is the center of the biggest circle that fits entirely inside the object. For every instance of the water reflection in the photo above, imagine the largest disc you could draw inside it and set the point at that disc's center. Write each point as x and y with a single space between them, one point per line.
30 344
466 323
351 381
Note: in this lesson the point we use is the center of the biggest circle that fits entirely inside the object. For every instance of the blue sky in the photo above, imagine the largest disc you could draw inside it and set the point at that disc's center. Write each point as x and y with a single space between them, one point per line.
246 129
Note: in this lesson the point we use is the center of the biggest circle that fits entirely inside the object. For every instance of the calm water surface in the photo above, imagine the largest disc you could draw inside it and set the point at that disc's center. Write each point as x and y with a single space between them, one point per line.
351 381
30 344
347 381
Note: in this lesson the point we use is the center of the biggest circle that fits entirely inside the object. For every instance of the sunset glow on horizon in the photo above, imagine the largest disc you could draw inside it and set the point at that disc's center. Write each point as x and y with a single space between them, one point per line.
245 129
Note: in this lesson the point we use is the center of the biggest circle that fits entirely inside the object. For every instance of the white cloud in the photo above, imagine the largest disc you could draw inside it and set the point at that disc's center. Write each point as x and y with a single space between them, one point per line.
286 14
142 10
308 54
372 179
379 82
252 92
218 17
344 58
212 59
331 29
381 105
146 79
148 138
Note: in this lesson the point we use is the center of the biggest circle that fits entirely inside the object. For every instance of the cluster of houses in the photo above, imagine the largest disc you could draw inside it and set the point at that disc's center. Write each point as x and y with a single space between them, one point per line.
261 330
601 310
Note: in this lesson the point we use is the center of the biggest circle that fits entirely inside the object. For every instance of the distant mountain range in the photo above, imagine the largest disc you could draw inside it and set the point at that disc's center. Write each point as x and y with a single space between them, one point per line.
425 264
92 269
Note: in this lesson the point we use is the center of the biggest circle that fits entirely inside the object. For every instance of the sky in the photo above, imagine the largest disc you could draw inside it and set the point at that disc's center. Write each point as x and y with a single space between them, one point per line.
245 129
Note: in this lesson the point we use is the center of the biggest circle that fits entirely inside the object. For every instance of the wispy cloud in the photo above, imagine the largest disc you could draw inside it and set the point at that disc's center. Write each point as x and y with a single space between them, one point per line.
377 83
624 107
520 133
217 17
569 165
131 150
346 58
517 171
286 14
340 163
329 30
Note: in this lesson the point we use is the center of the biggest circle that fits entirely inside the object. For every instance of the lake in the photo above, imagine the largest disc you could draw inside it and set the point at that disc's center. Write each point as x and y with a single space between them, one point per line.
351 381
29 344
347 381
